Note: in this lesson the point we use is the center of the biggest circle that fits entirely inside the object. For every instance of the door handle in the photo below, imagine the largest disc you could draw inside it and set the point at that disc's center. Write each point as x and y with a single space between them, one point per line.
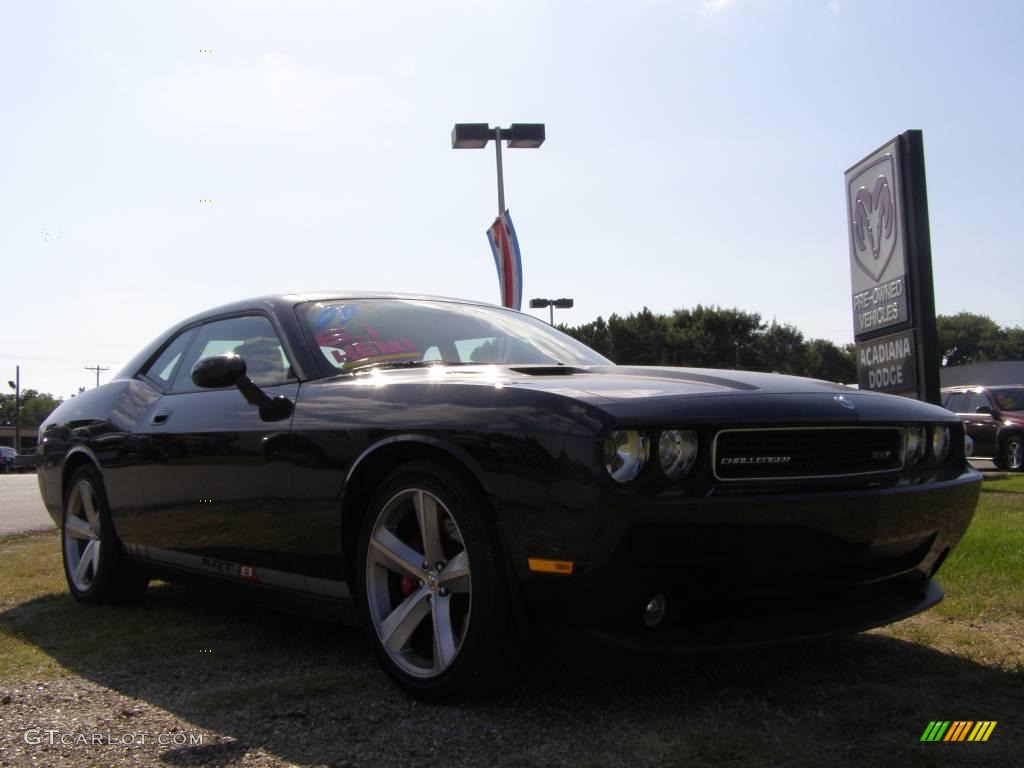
160 417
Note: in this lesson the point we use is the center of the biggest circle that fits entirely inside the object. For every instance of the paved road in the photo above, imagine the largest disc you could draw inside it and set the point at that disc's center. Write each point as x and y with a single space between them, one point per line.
21 508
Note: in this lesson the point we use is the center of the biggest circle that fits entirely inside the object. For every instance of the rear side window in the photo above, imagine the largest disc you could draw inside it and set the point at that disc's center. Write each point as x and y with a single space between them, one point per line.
162 369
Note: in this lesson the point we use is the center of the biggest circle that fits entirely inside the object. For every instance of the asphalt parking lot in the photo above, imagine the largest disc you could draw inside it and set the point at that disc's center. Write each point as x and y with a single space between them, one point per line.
21 508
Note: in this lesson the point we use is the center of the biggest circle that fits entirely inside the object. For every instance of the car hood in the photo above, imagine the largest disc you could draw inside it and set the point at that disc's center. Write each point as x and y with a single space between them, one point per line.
698 394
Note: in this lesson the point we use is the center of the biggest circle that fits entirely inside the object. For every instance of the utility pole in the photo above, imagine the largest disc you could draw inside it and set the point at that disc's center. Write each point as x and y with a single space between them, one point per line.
97 369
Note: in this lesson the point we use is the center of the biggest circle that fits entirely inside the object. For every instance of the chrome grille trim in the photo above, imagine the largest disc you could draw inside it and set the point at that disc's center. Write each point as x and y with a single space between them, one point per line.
898 432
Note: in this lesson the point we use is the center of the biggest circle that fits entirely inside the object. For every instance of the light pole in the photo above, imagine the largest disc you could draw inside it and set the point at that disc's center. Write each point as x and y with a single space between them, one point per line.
16 386
552 303
518 136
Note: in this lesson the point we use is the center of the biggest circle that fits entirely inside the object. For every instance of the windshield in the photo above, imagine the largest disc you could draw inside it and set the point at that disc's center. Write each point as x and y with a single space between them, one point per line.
354 334
1009 398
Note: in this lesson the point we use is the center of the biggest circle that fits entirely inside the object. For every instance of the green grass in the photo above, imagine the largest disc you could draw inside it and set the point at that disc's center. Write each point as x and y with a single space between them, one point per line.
984 574
1005 483
44 632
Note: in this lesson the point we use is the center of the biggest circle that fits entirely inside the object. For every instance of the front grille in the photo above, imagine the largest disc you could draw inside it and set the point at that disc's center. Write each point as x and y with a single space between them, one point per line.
805 452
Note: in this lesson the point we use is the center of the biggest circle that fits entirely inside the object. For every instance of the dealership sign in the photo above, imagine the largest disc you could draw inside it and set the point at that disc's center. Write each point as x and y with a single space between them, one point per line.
887 363
878 268
892 298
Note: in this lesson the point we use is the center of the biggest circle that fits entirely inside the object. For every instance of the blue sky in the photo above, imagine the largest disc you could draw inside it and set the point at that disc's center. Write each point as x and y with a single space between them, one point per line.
695 154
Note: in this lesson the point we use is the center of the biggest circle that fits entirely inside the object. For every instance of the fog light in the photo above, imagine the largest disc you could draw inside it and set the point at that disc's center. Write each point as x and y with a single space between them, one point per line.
655 611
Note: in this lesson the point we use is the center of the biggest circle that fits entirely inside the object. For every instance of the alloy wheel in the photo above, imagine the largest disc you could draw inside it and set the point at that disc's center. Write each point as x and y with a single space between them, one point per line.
82 536
418 583
1015 454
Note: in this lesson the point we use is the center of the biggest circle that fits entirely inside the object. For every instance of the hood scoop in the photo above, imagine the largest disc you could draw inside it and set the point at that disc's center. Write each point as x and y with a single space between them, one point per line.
548 370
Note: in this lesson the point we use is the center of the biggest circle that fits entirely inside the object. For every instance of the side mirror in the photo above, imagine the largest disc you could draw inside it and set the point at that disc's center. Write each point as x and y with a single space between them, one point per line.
218 371
984 409
229 371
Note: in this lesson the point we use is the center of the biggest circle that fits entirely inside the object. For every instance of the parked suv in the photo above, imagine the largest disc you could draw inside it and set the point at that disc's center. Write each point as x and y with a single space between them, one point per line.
7 455
994 418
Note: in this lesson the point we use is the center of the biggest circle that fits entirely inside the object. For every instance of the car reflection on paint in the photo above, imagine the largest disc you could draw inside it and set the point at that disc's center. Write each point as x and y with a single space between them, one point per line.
450 474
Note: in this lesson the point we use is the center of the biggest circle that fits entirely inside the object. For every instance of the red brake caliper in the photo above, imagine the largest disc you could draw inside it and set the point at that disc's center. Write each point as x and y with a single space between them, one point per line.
407 585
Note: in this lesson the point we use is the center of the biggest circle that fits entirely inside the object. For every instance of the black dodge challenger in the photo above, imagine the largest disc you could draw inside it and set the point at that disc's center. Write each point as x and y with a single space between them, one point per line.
448 472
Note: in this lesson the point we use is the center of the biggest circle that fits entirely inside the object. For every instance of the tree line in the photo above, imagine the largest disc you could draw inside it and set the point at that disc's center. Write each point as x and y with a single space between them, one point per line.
715 337
35 407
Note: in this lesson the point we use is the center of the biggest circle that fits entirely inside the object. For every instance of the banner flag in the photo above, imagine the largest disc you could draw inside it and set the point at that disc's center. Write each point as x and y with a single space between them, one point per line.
508 260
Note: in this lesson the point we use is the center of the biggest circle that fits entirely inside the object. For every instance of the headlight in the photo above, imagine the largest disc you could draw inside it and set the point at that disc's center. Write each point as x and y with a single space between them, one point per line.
940 442
914 451
677 452
625 453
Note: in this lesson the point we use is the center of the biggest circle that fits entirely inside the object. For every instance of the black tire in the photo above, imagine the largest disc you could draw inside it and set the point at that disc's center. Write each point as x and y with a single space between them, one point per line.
460 639
1011 457
105 578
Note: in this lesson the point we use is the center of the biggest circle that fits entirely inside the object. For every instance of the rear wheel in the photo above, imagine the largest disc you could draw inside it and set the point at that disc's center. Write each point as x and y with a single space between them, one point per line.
1012 455
94 565
432 586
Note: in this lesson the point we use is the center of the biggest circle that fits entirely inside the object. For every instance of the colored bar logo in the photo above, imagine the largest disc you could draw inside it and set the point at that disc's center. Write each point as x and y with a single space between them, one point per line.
958 730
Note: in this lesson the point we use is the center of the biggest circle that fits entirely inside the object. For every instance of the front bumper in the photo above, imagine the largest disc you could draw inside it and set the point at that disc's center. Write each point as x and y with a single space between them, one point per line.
752 569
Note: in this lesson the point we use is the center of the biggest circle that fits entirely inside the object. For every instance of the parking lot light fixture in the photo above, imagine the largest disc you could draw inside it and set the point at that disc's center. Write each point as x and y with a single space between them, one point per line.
16 386
552 304
518 136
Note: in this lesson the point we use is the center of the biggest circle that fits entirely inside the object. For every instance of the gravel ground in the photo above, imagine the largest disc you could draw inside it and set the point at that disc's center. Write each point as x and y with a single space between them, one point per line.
302 710
325 703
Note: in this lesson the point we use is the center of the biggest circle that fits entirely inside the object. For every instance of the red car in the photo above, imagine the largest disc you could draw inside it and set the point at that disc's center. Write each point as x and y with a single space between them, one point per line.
994 419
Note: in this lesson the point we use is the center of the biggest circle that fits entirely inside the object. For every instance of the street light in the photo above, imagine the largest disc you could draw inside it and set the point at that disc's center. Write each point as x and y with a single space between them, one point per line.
518 136
16 386
552 303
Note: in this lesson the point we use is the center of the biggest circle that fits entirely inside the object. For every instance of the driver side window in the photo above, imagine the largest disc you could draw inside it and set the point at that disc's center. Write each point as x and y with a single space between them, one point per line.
252 338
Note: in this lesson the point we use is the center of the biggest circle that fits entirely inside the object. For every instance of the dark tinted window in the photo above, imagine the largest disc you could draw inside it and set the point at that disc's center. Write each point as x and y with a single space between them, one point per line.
976 400
955 402
162 369
253 338
1009 398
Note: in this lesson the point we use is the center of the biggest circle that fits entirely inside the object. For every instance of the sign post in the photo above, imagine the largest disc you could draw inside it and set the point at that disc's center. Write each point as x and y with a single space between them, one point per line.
893 298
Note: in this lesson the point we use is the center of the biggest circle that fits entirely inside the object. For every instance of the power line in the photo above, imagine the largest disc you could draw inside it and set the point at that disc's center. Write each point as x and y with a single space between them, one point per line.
96 368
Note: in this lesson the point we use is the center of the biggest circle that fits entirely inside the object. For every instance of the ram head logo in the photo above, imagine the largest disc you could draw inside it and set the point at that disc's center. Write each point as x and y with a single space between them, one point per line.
875 225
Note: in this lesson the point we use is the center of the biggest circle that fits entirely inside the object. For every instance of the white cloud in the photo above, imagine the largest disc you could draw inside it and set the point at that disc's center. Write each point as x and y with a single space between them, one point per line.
834 7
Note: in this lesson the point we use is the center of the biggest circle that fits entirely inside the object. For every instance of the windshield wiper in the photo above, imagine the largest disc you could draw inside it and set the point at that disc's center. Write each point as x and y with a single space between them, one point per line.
403 364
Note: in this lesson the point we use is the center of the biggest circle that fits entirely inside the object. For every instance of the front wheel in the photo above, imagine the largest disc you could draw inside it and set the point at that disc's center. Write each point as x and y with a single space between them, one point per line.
94 566
433 588
1012 455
